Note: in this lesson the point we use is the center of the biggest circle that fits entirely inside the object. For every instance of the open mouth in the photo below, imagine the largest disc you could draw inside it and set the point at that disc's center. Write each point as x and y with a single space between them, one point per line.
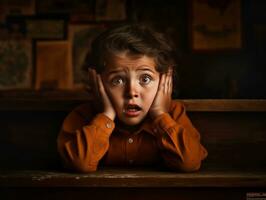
132 110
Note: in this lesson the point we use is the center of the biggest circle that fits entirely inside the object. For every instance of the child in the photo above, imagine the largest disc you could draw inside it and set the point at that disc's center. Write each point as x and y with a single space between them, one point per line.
132 120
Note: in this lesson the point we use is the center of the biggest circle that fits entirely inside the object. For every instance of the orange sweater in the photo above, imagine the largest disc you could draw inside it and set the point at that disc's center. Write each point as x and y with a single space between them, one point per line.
87 139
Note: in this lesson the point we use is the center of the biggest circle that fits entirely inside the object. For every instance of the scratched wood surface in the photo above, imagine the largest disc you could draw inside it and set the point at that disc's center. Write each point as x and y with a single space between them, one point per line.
119 177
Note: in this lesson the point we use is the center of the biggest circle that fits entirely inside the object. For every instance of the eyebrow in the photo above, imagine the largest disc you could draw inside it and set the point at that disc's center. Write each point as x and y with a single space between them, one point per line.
146 69
142 68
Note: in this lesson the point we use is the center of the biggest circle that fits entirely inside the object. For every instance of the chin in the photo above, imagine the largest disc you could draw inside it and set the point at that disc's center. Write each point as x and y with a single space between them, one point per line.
132 121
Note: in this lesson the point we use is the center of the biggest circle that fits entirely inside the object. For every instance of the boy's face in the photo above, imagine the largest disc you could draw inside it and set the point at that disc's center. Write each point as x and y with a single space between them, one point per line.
131 84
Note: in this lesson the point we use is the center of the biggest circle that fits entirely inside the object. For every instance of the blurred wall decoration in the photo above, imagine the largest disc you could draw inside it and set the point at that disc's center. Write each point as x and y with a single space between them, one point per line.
221 44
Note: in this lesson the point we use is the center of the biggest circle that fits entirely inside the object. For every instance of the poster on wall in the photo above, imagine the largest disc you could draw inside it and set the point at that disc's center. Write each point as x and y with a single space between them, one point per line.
81 36
53 65
215 25
15 64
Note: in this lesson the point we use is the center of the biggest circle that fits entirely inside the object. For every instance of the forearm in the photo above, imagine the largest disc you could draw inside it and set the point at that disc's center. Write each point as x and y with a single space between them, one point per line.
180 144
83 149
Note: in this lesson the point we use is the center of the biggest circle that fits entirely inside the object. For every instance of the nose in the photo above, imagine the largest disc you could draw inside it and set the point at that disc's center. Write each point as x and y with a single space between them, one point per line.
131 90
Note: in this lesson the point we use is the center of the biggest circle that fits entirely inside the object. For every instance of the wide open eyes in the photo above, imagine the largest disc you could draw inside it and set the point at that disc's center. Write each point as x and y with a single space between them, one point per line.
117 80
145 79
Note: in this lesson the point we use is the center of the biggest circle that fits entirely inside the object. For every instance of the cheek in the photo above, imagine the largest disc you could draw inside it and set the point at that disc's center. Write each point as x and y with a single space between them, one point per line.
155 87
151 94
114 95
110 92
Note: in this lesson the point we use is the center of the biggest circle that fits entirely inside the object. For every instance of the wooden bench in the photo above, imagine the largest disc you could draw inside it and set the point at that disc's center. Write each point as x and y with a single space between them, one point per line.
233 131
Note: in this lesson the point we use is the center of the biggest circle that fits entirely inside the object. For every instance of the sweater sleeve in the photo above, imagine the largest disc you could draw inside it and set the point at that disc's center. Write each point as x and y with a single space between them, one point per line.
82 144
179 141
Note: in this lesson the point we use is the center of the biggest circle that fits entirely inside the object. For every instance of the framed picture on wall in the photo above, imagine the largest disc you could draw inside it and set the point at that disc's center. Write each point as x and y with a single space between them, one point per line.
215 25
39 27
15 64
81 37
53 65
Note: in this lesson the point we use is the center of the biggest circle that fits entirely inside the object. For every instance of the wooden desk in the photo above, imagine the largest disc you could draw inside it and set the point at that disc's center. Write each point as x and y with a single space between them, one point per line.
233 131
130 184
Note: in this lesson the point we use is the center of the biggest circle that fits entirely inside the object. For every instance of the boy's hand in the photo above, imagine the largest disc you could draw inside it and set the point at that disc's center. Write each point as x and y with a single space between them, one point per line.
162 100
101 98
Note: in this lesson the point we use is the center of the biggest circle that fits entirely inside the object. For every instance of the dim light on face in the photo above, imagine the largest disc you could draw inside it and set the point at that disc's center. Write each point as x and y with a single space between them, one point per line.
131 84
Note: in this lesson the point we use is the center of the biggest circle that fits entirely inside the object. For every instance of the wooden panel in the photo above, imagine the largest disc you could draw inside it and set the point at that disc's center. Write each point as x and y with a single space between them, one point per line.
28 139
234 140
67 100
226 105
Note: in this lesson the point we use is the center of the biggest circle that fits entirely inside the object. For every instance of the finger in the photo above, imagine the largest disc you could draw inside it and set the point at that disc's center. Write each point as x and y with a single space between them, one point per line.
100 85
102 91
170 85
162 83
167 82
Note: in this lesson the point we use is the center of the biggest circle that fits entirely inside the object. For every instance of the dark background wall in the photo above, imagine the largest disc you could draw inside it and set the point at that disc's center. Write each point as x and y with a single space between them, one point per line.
239 73
220 74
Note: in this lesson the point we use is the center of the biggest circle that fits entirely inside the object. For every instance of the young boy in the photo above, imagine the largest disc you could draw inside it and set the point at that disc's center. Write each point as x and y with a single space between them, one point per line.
132 120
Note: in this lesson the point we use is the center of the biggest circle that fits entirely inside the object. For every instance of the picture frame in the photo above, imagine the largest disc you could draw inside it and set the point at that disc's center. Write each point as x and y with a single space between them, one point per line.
215 25
53 70
81 37
16 64
39 27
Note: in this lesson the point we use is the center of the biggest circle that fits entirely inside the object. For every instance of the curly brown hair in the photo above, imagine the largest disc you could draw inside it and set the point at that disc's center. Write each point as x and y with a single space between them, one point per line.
133 39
